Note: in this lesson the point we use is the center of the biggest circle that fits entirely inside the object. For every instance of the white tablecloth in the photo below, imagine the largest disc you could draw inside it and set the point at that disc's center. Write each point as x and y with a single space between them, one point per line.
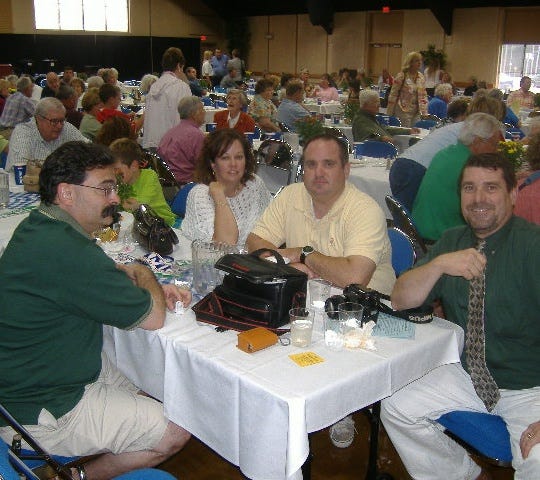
324 108
257 410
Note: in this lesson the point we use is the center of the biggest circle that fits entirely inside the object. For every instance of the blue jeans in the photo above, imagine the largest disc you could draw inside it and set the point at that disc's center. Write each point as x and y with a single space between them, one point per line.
405 178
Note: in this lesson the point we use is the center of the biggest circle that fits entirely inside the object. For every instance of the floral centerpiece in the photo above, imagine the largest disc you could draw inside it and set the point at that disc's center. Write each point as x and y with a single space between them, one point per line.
350 109
513 151
308 127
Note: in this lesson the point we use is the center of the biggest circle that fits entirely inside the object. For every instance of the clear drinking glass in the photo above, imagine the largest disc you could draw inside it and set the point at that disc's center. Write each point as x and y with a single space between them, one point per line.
301 326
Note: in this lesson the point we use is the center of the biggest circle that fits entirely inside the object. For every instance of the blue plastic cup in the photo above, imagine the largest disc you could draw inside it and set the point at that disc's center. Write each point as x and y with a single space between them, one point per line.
20 172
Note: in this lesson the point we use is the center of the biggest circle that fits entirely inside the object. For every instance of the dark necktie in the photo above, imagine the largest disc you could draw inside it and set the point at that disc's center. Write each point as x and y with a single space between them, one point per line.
475 342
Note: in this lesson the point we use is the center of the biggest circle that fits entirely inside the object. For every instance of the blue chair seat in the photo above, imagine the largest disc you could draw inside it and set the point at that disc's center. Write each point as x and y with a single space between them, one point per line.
484 432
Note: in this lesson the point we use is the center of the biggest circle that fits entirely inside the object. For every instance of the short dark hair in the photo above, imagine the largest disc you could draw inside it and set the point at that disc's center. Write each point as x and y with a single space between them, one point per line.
328 137
263 84
172 57
293 87
65 92
215 145
492 161
107 91
457 108
69 163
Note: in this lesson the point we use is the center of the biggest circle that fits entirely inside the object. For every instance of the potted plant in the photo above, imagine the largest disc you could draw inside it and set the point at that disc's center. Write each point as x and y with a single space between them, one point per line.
433 58
308 127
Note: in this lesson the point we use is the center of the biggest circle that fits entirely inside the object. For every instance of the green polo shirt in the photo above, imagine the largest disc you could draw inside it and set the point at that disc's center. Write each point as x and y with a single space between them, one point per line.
512 301
58 289
437 205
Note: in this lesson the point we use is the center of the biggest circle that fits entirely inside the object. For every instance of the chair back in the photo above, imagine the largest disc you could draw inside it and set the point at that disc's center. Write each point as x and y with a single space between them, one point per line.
284 127
178 205
402 220
372 148
512 132
427 124
340 135
482 434
166 177
403 256
388 120
221 104
207 101
275 164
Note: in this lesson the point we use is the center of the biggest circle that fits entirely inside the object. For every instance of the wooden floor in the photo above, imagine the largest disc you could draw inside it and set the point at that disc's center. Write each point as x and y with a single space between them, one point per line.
198 462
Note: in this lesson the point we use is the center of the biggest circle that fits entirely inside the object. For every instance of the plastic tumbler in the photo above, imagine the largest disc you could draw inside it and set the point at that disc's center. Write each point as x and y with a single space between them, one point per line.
301 326
20 172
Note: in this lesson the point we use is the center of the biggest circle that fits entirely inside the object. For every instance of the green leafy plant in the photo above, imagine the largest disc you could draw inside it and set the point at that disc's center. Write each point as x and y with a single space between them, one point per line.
125 190
433 57
350 109
514 152
308 127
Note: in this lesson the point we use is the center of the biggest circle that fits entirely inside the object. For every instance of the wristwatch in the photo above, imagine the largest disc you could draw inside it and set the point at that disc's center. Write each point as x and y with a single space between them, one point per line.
307 250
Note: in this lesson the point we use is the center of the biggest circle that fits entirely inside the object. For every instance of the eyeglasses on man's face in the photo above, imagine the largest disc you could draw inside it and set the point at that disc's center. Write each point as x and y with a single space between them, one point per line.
54 121
107 191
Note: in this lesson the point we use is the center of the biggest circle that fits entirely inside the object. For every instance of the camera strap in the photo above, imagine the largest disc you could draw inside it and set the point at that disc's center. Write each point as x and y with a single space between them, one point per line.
423 314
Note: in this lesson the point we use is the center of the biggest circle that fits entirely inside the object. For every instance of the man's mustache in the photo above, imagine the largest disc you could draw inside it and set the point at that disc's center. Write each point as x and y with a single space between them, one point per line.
109 211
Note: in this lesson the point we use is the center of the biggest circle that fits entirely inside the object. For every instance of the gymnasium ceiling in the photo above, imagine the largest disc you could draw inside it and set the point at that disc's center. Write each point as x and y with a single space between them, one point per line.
322 10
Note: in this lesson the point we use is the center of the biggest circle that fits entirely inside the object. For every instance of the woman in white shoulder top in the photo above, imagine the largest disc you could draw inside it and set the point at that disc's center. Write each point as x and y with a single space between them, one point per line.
230 197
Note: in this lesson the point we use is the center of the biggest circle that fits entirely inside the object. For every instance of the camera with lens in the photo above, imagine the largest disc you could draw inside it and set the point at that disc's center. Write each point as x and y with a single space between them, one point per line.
366 297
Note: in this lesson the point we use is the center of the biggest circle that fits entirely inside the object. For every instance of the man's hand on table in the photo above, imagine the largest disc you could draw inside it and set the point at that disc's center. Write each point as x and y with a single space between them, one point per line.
175 294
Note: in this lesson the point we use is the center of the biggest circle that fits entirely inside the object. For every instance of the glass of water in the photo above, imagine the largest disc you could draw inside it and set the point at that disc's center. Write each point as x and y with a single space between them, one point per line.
301 326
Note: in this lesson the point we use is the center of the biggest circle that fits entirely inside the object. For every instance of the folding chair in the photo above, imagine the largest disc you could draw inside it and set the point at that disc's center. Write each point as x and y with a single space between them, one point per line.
512 132
275 164
37 464
372 148
178 205
37 457
388 120
166 178
403 221
403 255
207 101
427 124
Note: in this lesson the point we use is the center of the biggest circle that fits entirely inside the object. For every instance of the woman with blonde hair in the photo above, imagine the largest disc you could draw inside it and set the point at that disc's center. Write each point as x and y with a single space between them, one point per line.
408 98
207 72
